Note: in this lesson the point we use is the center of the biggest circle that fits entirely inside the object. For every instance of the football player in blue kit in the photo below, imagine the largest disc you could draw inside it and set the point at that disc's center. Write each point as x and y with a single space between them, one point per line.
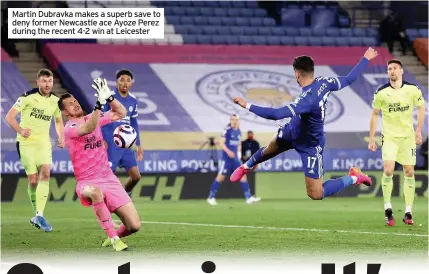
305 131
119 157
230 143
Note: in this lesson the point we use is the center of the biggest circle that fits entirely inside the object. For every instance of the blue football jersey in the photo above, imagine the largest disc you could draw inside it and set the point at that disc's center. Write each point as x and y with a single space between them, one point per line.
130 104
232 140
308 110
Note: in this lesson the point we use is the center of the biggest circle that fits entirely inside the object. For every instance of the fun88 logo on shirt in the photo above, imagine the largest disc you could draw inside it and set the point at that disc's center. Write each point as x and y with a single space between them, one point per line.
261 87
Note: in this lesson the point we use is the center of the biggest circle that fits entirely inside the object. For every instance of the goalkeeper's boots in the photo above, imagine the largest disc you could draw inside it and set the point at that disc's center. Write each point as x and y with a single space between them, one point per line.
388 216
408 219
41 223
119 245
362 178
240 172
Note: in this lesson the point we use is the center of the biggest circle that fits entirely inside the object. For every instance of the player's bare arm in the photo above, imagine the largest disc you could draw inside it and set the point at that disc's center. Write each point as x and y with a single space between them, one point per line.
59 127
13 123
420 121
90 125
225 148
118 111
372 127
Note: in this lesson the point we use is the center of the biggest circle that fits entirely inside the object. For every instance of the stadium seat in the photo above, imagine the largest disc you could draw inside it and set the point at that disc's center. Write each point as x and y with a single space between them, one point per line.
228 21
423 33
346 32
147 41
412 32
195 29
259 40
307 7
246 12
322 18
341 41
219 12
178 11
273 40
182 29
169 29
238 4
206 11
237 30
260 13
175 39
301 41
304 31
211 4
245 40
192 11
372 32
359 32
173 20
190 39
315 41
332 32
369 41
219 40
287 41
319 32
269 22
215 21
187 20
233 12
204 39
291 31
264 31
223 31
328 41
252 4
278 31
198 3
252 31
225 4
232 40
242 21
293 17
355 41
199 20
184 3
209 30
256 22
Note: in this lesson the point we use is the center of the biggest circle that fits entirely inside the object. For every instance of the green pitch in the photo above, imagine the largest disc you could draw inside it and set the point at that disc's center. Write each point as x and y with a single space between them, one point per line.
339 225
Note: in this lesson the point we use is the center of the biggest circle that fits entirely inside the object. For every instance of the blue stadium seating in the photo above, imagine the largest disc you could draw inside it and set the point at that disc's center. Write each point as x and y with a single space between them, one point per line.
322 18
293 17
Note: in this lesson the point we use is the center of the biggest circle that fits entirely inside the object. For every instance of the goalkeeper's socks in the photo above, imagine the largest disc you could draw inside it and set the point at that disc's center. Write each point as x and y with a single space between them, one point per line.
256 158
104 218
214 189
42 193
334 186
246 189
32 195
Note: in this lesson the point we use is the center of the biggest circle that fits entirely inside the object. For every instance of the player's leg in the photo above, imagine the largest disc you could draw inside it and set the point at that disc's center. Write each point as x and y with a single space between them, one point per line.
129 162
245 185
407 158
312 159
27 157
130 220
276 146
220 178
93 194
389 151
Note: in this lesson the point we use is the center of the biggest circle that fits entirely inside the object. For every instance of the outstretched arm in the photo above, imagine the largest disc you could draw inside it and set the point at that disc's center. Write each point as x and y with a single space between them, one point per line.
337 83
302 106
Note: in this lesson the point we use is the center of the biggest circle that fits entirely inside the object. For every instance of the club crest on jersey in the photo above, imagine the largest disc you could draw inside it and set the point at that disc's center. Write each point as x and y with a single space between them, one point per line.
130 108
261 87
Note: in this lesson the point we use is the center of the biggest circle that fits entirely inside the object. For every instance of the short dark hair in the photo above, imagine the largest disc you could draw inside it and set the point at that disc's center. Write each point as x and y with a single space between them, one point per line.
124 72
394 61
62 98
44 72
303 64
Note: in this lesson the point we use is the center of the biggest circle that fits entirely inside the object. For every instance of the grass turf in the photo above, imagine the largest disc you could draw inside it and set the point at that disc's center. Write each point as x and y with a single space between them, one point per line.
340 225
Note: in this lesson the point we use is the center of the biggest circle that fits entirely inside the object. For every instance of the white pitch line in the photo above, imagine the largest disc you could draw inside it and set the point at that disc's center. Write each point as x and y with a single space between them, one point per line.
287 229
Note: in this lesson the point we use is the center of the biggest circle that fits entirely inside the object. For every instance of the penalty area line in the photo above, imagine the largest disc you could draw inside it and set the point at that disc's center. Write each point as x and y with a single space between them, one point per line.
287 229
